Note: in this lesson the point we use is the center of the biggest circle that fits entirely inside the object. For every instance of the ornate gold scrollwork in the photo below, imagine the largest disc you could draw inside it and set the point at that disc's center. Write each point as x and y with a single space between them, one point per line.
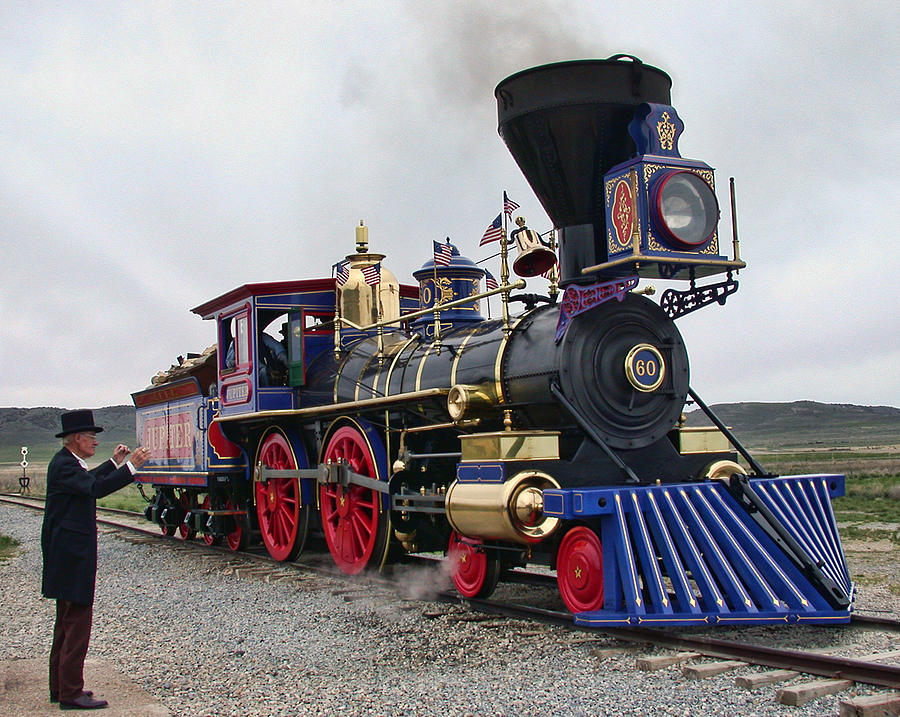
666 131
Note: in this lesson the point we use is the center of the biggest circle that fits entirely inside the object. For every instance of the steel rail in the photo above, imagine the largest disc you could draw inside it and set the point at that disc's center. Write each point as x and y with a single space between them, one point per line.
871 673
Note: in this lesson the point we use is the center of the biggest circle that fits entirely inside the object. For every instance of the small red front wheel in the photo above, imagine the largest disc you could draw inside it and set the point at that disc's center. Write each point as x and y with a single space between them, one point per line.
475 573
579 570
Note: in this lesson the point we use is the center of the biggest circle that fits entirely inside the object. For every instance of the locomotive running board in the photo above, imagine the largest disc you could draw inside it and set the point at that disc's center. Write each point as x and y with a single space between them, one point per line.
690 554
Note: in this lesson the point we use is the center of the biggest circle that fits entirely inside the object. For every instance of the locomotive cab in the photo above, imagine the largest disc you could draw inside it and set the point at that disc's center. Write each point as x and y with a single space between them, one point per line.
264 332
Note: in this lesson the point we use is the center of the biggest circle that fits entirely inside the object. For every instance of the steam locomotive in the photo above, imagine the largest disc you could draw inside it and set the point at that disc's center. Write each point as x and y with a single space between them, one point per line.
396 419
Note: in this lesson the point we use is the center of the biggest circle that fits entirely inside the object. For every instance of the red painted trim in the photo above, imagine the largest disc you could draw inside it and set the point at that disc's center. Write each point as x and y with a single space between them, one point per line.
168 392
248 291
209 309
198 480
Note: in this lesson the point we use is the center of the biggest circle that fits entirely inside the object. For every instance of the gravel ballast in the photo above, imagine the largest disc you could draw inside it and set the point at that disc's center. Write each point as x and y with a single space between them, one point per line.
205 641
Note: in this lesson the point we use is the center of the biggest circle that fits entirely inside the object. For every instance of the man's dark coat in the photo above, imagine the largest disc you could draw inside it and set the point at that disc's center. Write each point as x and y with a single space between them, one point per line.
69 533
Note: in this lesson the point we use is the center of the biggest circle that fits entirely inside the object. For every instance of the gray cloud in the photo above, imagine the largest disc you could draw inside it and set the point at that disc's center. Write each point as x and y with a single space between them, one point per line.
155 155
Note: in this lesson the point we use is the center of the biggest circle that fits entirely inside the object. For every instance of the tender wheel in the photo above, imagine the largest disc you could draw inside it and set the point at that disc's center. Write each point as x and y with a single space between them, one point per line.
237 538
355 529
165 498
186 501
283 520
579 570
209 538
475 573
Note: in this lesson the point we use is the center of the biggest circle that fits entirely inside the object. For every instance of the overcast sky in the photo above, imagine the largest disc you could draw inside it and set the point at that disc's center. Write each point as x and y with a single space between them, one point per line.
154 155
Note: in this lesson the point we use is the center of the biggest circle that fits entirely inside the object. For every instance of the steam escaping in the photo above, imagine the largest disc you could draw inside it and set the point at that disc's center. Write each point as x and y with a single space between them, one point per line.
425 582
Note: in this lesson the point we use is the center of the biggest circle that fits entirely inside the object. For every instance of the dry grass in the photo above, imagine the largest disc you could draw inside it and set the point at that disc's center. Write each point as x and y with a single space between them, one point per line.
10 473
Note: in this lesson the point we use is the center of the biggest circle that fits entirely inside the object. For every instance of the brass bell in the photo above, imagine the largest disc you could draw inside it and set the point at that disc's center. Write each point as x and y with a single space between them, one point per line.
535 256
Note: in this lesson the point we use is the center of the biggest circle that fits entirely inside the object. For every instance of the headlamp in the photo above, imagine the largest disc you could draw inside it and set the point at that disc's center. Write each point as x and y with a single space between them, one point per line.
685 208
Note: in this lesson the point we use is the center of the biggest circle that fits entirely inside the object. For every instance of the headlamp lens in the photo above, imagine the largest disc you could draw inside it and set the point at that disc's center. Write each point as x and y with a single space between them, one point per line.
687 208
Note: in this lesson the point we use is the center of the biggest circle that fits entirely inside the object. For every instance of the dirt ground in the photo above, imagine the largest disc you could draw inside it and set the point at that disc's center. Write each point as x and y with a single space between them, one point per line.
875 569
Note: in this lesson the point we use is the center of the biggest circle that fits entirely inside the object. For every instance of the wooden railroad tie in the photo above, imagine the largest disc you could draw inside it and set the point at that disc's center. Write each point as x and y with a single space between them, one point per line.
884 705
660 662
801 694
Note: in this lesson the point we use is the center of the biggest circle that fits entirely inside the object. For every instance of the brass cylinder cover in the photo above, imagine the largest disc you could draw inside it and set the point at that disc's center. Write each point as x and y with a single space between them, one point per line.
513 510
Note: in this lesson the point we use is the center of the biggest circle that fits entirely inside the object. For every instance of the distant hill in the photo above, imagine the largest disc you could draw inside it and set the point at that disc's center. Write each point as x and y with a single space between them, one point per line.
806 424
761 426
36 428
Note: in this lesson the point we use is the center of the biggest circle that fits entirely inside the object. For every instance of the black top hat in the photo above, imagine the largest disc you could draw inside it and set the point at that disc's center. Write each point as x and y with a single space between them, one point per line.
78 422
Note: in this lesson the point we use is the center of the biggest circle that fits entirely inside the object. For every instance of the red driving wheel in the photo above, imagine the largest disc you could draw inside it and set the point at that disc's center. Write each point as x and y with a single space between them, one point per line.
283 522
579 570
475 573
351 519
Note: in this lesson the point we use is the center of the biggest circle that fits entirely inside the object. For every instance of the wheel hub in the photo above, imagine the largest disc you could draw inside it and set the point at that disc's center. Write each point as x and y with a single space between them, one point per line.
343 503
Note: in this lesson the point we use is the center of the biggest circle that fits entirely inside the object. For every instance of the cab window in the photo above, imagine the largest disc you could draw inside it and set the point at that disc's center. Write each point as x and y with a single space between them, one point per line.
235 340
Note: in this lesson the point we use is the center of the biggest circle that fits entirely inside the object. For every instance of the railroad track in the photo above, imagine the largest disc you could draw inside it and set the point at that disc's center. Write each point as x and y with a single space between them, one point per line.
840 671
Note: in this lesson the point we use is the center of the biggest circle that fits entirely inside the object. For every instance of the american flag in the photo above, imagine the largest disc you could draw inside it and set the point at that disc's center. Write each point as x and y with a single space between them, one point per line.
493 232
443 253
372 274
489 281
552 271
343 272
509 206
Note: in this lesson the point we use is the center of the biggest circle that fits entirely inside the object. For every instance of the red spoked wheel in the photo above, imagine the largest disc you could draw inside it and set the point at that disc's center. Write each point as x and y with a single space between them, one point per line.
354 527
237 538
283 520
209 538
187 501
579 570
475 573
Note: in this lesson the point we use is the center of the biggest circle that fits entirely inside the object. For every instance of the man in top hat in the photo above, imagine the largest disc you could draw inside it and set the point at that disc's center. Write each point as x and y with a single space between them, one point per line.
69 546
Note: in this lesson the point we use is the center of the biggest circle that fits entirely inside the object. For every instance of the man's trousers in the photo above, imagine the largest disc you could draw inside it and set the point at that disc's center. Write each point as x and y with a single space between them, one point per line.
71 636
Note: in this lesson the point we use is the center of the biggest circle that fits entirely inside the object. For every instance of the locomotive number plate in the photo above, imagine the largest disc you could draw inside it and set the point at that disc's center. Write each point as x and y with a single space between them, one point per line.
645 367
